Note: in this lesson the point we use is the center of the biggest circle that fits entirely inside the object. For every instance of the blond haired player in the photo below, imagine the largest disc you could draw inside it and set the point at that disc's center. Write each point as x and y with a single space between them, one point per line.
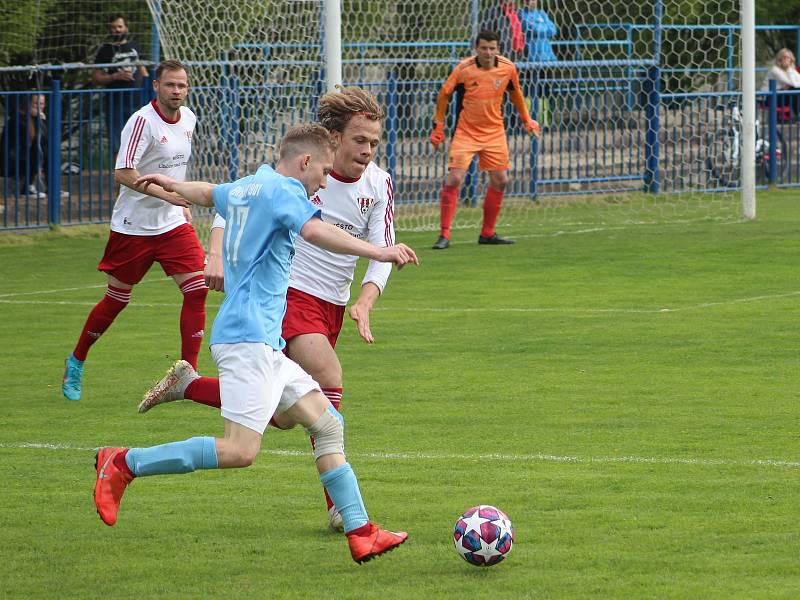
358 199
481 82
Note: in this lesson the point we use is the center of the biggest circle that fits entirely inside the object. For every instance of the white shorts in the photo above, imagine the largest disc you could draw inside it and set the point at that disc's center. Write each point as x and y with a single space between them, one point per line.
256 381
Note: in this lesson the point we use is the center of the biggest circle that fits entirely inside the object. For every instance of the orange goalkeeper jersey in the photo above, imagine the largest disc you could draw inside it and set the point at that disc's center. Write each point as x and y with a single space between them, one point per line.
480 94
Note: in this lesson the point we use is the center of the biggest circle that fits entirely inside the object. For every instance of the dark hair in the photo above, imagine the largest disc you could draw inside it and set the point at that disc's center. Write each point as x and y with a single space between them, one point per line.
170 65
116 16
487 35
306 138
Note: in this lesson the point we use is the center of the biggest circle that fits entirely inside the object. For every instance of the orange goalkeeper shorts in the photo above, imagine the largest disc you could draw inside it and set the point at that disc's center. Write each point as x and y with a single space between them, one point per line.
492 153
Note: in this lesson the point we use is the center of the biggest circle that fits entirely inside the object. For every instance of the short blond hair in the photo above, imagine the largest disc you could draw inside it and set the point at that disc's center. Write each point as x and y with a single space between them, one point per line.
306 138
337 108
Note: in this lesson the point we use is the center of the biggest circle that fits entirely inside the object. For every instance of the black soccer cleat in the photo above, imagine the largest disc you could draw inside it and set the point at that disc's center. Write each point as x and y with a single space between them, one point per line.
494 240
441 243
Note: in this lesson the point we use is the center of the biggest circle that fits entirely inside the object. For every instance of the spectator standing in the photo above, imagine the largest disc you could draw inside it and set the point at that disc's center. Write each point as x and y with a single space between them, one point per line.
119 49
539 29
23 144
502 18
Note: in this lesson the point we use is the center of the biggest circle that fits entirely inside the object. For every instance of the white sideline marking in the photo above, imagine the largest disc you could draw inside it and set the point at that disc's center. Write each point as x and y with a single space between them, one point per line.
412 309
75 289
537 457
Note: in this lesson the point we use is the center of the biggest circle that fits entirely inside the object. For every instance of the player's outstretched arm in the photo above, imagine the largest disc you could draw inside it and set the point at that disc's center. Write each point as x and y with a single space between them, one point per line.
360 309
518 100
196 192
437 135
129 178
214 272
325 235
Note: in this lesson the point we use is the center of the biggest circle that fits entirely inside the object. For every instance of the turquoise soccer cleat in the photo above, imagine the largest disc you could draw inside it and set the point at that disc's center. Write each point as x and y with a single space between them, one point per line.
73 374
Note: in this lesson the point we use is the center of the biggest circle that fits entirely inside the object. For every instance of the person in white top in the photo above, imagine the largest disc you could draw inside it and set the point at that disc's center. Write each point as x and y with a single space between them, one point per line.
784 71
145 229
359 199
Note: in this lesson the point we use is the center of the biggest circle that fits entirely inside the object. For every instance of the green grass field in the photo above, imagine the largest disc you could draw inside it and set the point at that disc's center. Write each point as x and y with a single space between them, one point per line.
629 396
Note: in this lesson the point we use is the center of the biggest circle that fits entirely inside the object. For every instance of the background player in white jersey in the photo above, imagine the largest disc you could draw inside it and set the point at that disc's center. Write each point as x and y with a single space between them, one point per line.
265 212
146 229
359 199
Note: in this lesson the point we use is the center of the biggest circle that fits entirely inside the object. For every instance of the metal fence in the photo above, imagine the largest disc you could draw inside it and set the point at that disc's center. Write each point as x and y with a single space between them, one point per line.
601 135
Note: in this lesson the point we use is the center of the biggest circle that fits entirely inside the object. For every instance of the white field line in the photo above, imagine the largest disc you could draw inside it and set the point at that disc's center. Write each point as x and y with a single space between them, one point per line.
80 288
422 309
537 457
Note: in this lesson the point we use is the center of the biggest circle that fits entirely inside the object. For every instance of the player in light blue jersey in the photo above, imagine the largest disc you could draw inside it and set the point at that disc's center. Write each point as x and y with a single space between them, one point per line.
264 213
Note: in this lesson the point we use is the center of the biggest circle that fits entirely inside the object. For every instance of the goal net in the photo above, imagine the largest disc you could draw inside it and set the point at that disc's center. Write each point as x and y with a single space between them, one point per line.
626 94
638 101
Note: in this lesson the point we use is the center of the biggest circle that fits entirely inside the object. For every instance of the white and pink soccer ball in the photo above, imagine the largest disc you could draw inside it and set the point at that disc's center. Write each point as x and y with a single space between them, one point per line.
483 535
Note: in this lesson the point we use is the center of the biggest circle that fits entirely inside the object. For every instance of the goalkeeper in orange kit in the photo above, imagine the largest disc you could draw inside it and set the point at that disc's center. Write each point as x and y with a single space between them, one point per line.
481 81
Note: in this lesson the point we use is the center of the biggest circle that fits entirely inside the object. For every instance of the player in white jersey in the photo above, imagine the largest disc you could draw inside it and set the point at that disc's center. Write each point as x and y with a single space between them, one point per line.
359 199
146 229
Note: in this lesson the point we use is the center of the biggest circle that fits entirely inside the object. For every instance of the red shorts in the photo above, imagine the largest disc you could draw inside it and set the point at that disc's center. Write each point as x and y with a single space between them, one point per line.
308 314
129 257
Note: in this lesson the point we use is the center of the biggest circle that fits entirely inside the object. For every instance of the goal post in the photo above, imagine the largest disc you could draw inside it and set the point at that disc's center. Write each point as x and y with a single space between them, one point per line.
748 155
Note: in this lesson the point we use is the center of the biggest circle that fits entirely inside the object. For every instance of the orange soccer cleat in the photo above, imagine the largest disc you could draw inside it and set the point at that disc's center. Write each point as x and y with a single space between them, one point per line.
370 541
110 485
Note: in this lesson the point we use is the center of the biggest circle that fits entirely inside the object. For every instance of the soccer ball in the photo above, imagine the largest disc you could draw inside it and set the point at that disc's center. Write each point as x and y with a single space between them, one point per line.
483 535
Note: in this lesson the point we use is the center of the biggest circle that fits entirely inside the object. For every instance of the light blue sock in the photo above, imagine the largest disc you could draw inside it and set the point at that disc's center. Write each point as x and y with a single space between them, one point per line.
176 457
342 487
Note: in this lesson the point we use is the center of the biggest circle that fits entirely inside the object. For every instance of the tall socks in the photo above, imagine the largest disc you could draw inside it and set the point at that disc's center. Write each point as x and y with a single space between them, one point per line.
193 317
100 319
491 210
342 485
175 457
447 206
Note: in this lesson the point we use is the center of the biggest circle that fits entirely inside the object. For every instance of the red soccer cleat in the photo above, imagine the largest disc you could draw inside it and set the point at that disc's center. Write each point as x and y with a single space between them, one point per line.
110 485
370 541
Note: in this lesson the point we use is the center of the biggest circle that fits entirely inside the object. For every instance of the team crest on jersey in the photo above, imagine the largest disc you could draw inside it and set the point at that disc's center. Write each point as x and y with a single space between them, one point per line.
163 140
364 204
497 83
316 200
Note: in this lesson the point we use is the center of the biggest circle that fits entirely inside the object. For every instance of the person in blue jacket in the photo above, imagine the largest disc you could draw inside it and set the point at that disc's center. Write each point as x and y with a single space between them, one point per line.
539 29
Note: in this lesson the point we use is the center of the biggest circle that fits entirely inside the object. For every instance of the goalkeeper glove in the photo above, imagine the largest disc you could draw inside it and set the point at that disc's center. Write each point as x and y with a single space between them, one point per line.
437 135
532 126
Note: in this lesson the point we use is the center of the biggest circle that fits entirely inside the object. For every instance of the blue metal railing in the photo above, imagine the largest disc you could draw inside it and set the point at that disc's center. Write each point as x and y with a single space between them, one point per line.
611 133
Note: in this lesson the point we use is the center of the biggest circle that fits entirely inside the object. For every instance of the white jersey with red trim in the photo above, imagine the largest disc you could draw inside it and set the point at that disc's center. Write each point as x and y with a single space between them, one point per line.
364 208
152 144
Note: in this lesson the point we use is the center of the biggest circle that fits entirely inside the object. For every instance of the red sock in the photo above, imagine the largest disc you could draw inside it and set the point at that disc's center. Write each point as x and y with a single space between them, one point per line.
334 396
448 200
193 318
491 210
204 390
120 462
100 319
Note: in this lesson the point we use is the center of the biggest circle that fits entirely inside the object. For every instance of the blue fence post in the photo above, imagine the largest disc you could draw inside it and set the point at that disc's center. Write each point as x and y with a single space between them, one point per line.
54 155
233 129
652 149
391 125
729 66
773 131
629 70
155 40
535 92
